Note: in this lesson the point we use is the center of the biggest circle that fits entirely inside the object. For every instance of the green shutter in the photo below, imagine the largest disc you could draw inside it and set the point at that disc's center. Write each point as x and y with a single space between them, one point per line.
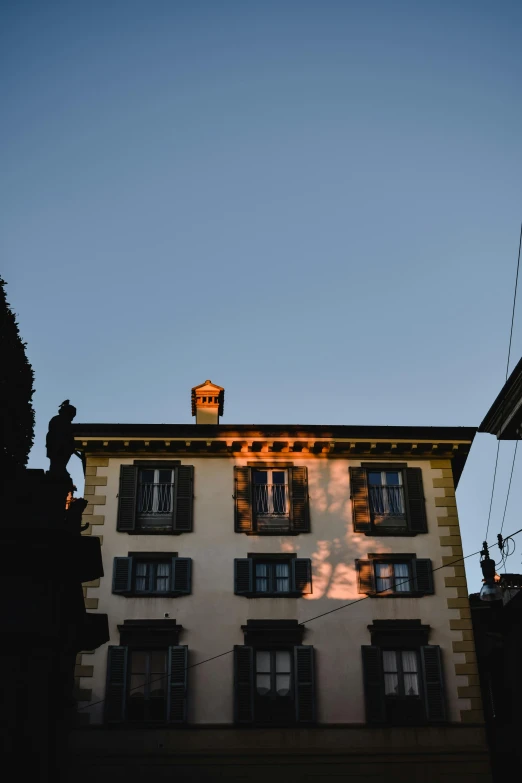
127 498
365 576
433 683
184 493
373 684
360 501
423 576
243 569
177 684
416 504
302 575
300 504
243 685
116 690
122 575
243 499
182 575
304 684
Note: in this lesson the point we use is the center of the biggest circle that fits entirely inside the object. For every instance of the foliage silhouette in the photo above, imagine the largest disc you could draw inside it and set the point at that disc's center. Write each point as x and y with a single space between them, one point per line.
16 392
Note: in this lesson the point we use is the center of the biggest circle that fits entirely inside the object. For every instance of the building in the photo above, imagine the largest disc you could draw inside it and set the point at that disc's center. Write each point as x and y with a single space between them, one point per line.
227 550
498 625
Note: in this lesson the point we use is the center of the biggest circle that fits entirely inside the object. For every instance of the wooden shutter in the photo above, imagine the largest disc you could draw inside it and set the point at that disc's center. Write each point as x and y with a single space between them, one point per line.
304 684
423 576
373 684
365 576
243 684
127 498
243 571
360 500
182 575
300 505
184 493
116 690
415 501
302 575
177 684
433 683
243 499
122 575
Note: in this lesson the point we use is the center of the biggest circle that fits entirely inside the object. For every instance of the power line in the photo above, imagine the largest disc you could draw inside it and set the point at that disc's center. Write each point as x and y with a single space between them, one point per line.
507 375
509 486
310 619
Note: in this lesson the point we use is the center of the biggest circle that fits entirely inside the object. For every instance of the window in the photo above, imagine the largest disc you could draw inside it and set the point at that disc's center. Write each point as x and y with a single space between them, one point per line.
386 495
265 576
155 497
271 499
395 575
403 675
401 678
147 685
388 500
392 578
152 577
270 493
147 674
149 573
272 577
274 675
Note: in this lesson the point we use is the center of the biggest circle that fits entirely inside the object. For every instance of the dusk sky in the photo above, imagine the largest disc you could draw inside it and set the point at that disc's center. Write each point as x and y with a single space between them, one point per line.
317 205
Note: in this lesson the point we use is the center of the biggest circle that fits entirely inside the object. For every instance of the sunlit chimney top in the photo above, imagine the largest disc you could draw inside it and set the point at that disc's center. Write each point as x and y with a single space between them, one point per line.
207 402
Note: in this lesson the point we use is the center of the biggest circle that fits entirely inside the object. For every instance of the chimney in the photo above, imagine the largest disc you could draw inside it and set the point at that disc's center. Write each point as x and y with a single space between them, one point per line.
207 402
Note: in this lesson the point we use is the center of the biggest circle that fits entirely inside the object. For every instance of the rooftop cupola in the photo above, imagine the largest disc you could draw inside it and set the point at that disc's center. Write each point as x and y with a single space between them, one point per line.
207 402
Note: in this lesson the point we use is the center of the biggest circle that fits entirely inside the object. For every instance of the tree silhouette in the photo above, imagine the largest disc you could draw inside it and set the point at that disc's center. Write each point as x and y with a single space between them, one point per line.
16 392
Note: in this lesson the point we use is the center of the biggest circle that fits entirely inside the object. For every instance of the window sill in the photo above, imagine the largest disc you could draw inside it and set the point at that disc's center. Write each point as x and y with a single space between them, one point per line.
154 532
151 595
272 533
396 533
292 594
413 594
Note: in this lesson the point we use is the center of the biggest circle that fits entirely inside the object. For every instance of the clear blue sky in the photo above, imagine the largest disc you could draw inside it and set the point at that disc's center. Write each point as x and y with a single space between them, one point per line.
314 204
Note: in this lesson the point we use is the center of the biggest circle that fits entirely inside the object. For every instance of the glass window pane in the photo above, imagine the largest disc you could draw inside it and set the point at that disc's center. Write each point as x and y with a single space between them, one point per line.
261 585
391 684
141 569
282 684
393 479
263 684
409 661
389 660
141 584
137 686
262 661
375 478
402 582
411 685
282 577
260 477
384 574
147 476
283 661
138 662
165 476
278 477
158 663
162 577
261 569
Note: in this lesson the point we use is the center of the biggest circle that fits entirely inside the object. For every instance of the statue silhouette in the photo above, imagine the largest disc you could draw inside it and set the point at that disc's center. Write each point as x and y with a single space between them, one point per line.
60 441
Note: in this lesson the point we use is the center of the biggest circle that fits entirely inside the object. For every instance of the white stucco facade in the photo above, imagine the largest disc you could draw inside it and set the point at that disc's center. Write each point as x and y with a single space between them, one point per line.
212 615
